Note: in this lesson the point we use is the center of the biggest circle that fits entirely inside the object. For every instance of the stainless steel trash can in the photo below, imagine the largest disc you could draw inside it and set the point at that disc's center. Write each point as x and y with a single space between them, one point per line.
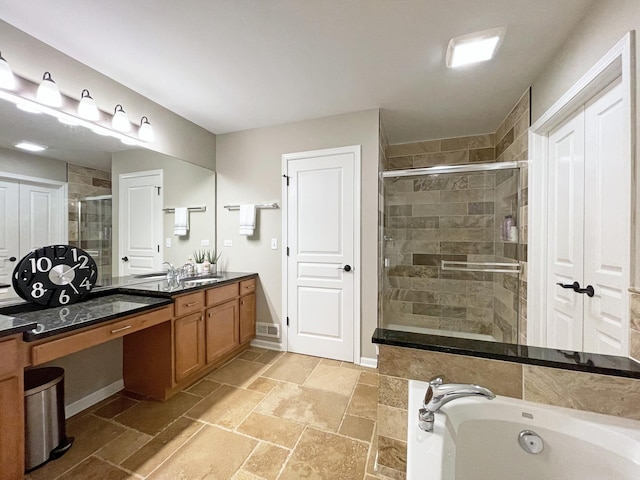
45 434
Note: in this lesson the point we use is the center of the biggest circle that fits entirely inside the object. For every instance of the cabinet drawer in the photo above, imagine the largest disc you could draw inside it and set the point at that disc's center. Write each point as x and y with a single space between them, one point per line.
221 294
191 303
8 356
247 286
51 350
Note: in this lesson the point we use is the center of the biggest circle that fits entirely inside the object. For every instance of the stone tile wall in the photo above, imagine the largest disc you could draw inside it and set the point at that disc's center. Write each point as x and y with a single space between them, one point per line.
96 218
456 217
564 388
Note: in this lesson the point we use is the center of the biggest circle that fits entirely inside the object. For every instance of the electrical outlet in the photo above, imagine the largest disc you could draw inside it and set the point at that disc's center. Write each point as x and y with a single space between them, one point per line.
228 243
274 244
167 242
204 243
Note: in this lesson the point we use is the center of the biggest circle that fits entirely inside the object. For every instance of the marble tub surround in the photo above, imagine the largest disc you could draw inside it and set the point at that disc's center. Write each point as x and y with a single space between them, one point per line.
634 322
551 386
458 217
257 417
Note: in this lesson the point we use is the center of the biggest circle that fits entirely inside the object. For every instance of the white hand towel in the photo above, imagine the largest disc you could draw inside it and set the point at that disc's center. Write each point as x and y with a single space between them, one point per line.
181 222
247 219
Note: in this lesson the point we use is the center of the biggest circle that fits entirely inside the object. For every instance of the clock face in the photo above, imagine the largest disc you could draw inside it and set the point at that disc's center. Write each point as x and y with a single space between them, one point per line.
55 275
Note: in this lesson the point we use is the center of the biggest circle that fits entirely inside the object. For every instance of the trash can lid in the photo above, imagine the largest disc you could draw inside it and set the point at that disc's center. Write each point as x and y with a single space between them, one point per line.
39 379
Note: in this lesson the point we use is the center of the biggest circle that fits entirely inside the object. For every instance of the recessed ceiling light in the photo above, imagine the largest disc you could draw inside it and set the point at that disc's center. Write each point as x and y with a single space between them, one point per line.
30 147
474 47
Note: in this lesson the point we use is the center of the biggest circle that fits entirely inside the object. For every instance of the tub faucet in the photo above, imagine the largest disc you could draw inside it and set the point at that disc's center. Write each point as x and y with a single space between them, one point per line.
439 394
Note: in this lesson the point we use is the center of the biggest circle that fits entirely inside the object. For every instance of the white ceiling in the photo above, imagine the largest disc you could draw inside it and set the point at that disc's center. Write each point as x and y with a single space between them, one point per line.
234 65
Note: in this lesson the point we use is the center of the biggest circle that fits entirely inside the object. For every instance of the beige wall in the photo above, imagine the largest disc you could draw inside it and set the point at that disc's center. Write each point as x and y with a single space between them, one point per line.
185 185
175 136
19 163
249 168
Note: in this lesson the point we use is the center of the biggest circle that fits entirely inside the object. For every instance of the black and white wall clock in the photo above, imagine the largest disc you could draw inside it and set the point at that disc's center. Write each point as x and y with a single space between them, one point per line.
55 275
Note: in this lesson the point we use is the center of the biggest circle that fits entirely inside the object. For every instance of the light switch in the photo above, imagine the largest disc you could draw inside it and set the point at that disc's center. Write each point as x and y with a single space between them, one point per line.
167 242
204 243
274 244
228 243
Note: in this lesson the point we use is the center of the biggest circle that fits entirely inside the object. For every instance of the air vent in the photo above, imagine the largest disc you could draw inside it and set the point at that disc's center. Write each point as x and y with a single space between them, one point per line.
268 330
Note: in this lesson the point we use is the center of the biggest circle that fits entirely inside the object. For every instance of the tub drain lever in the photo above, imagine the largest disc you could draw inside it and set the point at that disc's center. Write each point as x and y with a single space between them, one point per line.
530 442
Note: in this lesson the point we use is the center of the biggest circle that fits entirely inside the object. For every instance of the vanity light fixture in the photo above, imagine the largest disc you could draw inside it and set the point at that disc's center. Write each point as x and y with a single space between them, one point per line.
120 121
48 92
87 107
145 133
474 47
7 80
30 147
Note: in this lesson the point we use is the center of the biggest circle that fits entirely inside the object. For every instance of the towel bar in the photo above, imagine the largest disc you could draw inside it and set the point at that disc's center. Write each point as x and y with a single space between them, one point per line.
191 209
259 205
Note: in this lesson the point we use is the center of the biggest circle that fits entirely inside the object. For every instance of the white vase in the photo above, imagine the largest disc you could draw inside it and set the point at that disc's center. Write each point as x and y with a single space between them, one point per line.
199 267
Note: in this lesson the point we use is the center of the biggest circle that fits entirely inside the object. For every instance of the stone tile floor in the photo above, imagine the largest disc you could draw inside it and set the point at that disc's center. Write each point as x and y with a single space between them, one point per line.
264 415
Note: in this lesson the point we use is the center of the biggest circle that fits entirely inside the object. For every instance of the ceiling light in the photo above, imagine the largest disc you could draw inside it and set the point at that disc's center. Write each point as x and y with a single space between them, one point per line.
30 147
87 107
120 121
146 130
48 92
7 80
474 47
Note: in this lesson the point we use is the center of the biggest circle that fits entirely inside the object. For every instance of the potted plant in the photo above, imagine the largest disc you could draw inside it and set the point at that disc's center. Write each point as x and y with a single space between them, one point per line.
199 257
212 258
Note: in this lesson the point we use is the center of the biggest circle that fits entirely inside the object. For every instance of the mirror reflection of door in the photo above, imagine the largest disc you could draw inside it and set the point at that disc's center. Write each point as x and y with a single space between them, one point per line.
31 215
140 222
589 200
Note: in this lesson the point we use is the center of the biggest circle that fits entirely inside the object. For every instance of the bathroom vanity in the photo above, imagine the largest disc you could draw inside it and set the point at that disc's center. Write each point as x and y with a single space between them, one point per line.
172 336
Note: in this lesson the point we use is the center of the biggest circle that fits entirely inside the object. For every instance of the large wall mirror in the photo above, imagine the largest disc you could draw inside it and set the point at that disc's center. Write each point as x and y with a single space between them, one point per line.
69 192
459 256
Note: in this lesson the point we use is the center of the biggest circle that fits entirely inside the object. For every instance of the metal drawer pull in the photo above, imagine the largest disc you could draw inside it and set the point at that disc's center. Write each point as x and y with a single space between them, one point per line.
127 327
191 304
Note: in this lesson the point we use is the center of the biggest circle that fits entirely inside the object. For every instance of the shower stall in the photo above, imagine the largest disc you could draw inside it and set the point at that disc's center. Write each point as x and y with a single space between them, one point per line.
94 232
451 252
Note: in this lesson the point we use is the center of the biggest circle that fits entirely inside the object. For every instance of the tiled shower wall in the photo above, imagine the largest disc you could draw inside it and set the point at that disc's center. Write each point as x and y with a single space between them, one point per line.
456 217
95 225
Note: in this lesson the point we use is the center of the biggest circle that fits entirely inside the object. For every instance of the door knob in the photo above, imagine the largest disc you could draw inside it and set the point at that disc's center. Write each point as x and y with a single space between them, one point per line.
346 268
12 259
125 259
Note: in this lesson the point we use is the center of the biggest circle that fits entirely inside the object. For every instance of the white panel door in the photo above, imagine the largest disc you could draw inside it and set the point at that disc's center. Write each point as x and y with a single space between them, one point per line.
607 224
565 241
320 233
140 222
41 216
9 229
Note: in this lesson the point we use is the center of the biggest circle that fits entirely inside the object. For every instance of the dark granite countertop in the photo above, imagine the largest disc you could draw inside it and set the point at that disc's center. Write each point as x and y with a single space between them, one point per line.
12 325
122 296
545 357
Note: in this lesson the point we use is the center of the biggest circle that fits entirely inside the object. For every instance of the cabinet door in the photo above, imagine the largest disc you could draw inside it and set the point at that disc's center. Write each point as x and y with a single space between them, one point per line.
188 345
221 329
247 317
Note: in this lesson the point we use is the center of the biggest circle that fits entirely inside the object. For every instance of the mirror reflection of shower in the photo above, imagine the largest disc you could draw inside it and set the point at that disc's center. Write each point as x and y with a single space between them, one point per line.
450 247
94 232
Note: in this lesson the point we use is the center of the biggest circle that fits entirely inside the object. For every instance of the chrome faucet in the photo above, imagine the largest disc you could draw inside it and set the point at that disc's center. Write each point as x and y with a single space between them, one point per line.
439 394
172 272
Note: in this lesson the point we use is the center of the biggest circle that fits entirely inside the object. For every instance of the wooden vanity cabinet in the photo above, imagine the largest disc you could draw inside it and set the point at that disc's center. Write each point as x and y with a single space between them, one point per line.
11 409
222 331
189 345
247 317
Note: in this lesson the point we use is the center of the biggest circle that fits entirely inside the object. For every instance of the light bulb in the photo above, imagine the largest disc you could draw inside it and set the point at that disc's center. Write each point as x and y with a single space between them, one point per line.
120 121
48 92
7 80
87 107
145 133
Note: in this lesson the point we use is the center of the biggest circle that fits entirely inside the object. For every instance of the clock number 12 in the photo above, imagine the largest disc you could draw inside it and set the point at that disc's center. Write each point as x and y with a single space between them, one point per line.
82 258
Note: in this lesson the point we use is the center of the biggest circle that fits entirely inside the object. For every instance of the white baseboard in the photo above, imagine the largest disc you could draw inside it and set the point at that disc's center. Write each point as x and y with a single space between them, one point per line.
369 362
93 398
267 344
